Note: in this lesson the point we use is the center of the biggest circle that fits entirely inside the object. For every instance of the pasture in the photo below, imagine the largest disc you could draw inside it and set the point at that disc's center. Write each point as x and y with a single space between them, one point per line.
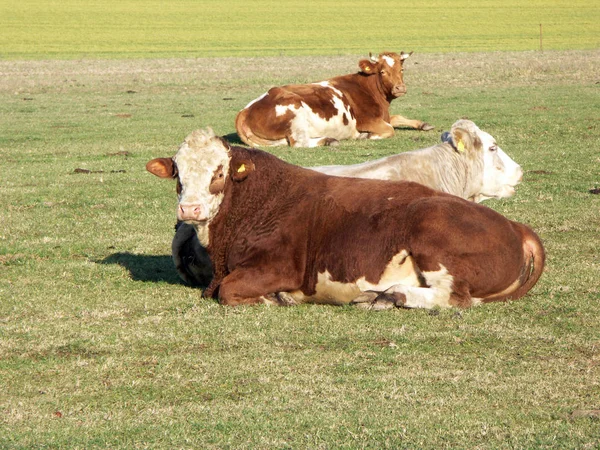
129 28
101 345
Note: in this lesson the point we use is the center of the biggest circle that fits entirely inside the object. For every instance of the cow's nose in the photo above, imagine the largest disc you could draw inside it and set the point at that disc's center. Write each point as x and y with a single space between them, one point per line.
190 212
399 89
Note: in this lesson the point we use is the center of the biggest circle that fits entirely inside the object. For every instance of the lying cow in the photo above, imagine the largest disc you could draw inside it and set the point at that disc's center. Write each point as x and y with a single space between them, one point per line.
345 107
474 168
283 234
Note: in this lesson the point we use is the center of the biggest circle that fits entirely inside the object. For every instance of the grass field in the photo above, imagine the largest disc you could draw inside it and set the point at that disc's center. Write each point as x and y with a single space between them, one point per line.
101 345
131 28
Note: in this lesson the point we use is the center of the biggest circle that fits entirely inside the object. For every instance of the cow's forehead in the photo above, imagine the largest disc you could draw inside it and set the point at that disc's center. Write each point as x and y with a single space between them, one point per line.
391 59
201 152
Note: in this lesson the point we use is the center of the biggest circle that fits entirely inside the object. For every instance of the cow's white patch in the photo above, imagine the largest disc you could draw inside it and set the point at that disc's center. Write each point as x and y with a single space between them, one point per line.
280 110
436 295
334 89
389 60
400 270
202 233
308 127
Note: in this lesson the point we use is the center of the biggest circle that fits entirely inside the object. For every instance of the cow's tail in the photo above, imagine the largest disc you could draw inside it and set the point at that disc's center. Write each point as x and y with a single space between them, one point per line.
535 260
534 267
245 132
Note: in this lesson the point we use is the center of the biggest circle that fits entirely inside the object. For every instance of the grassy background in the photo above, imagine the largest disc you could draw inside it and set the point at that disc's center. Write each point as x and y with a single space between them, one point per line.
132 28
102 346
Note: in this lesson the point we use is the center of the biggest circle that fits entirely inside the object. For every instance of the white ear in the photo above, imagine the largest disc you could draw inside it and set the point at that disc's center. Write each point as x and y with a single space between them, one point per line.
403 55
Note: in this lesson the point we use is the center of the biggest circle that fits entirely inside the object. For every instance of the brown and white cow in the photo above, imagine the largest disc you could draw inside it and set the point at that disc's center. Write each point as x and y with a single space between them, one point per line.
279 233
346 107
474 168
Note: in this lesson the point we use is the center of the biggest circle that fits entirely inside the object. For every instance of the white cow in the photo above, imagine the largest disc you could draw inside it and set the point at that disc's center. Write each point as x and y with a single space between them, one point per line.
474 168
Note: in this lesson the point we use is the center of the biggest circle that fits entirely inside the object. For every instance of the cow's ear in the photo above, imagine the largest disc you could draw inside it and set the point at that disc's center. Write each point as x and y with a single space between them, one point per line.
466 141
162 167
241 168
403 55
462 140
367 67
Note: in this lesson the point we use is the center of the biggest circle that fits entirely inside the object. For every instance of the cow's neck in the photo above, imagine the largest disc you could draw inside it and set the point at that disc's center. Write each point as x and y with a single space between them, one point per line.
202 233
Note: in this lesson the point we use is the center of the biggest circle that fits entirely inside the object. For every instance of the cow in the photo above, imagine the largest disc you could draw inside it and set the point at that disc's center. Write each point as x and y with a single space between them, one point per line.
474 168
345 107
466 169
282 234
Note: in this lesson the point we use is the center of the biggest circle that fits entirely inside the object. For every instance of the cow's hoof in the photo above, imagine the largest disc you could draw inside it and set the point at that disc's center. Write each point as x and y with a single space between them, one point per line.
383 301
365 299
285 299
279 299
329 142
427 127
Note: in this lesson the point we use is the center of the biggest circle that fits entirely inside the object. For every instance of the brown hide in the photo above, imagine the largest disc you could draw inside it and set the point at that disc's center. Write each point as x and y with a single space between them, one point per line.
283 225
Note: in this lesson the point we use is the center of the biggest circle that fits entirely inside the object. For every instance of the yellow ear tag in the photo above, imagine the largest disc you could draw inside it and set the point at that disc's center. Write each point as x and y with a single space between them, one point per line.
367 69
460 146
242 168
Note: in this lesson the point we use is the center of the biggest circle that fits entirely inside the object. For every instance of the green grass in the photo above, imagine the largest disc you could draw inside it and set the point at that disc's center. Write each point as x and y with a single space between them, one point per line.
132 28
101 345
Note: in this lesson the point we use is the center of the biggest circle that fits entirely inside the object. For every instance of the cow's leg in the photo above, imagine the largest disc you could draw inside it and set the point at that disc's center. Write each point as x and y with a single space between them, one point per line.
252 287
423 297
398 121
376 130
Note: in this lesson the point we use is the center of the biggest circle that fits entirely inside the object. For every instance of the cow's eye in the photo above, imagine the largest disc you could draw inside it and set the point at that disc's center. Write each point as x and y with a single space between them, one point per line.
493 148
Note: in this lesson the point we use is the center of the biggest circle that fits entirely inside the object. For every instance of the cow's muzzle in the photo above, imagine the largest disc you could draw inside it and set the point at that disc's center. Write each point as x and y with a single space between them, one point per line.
192 212
398 90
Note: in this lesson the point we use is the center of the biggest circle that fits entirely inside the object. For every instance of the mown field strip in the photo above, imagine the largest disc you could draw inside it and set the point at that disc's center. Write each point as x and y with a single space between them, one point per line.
116 29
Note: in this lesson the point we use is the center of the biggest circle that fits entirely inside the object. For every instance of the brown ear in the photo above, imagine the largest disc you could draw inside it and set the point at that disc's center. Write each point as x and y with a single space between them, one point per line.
367 67
241 168
162 167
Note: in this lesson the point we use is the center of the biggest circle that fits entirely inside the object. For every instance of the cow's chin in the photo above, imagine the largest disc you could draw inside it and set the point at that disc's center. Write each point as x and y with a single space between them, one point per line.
505 191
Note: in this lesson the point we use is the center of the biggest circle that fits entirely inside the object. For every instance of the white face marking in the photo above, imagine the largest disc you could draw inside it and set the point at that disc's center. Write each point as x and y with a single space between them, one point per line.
389 60
500 173
197 160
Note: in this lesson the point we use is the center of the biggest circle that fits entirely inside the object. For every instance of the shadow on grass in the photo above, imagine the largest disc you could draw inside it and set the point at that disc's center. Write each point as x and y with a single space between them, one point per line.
146 267
233 138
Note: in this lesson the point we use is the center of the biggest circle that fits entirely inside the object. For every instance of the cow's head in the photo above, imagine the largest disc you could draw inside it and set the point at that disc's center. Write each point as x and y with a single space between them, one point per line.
201 167
500 174
388 66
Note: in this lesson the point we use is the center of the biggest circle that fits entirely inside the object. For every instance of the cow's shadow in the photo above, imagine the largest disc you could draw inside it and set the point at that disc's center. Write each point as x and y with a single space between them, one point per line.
152 268
233 138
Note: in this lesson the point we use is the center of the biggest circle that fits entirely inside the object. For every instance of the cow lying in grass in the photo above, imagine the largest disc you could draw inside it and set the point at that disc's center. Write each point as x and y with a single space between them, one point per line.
474 168
279 233
346 107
